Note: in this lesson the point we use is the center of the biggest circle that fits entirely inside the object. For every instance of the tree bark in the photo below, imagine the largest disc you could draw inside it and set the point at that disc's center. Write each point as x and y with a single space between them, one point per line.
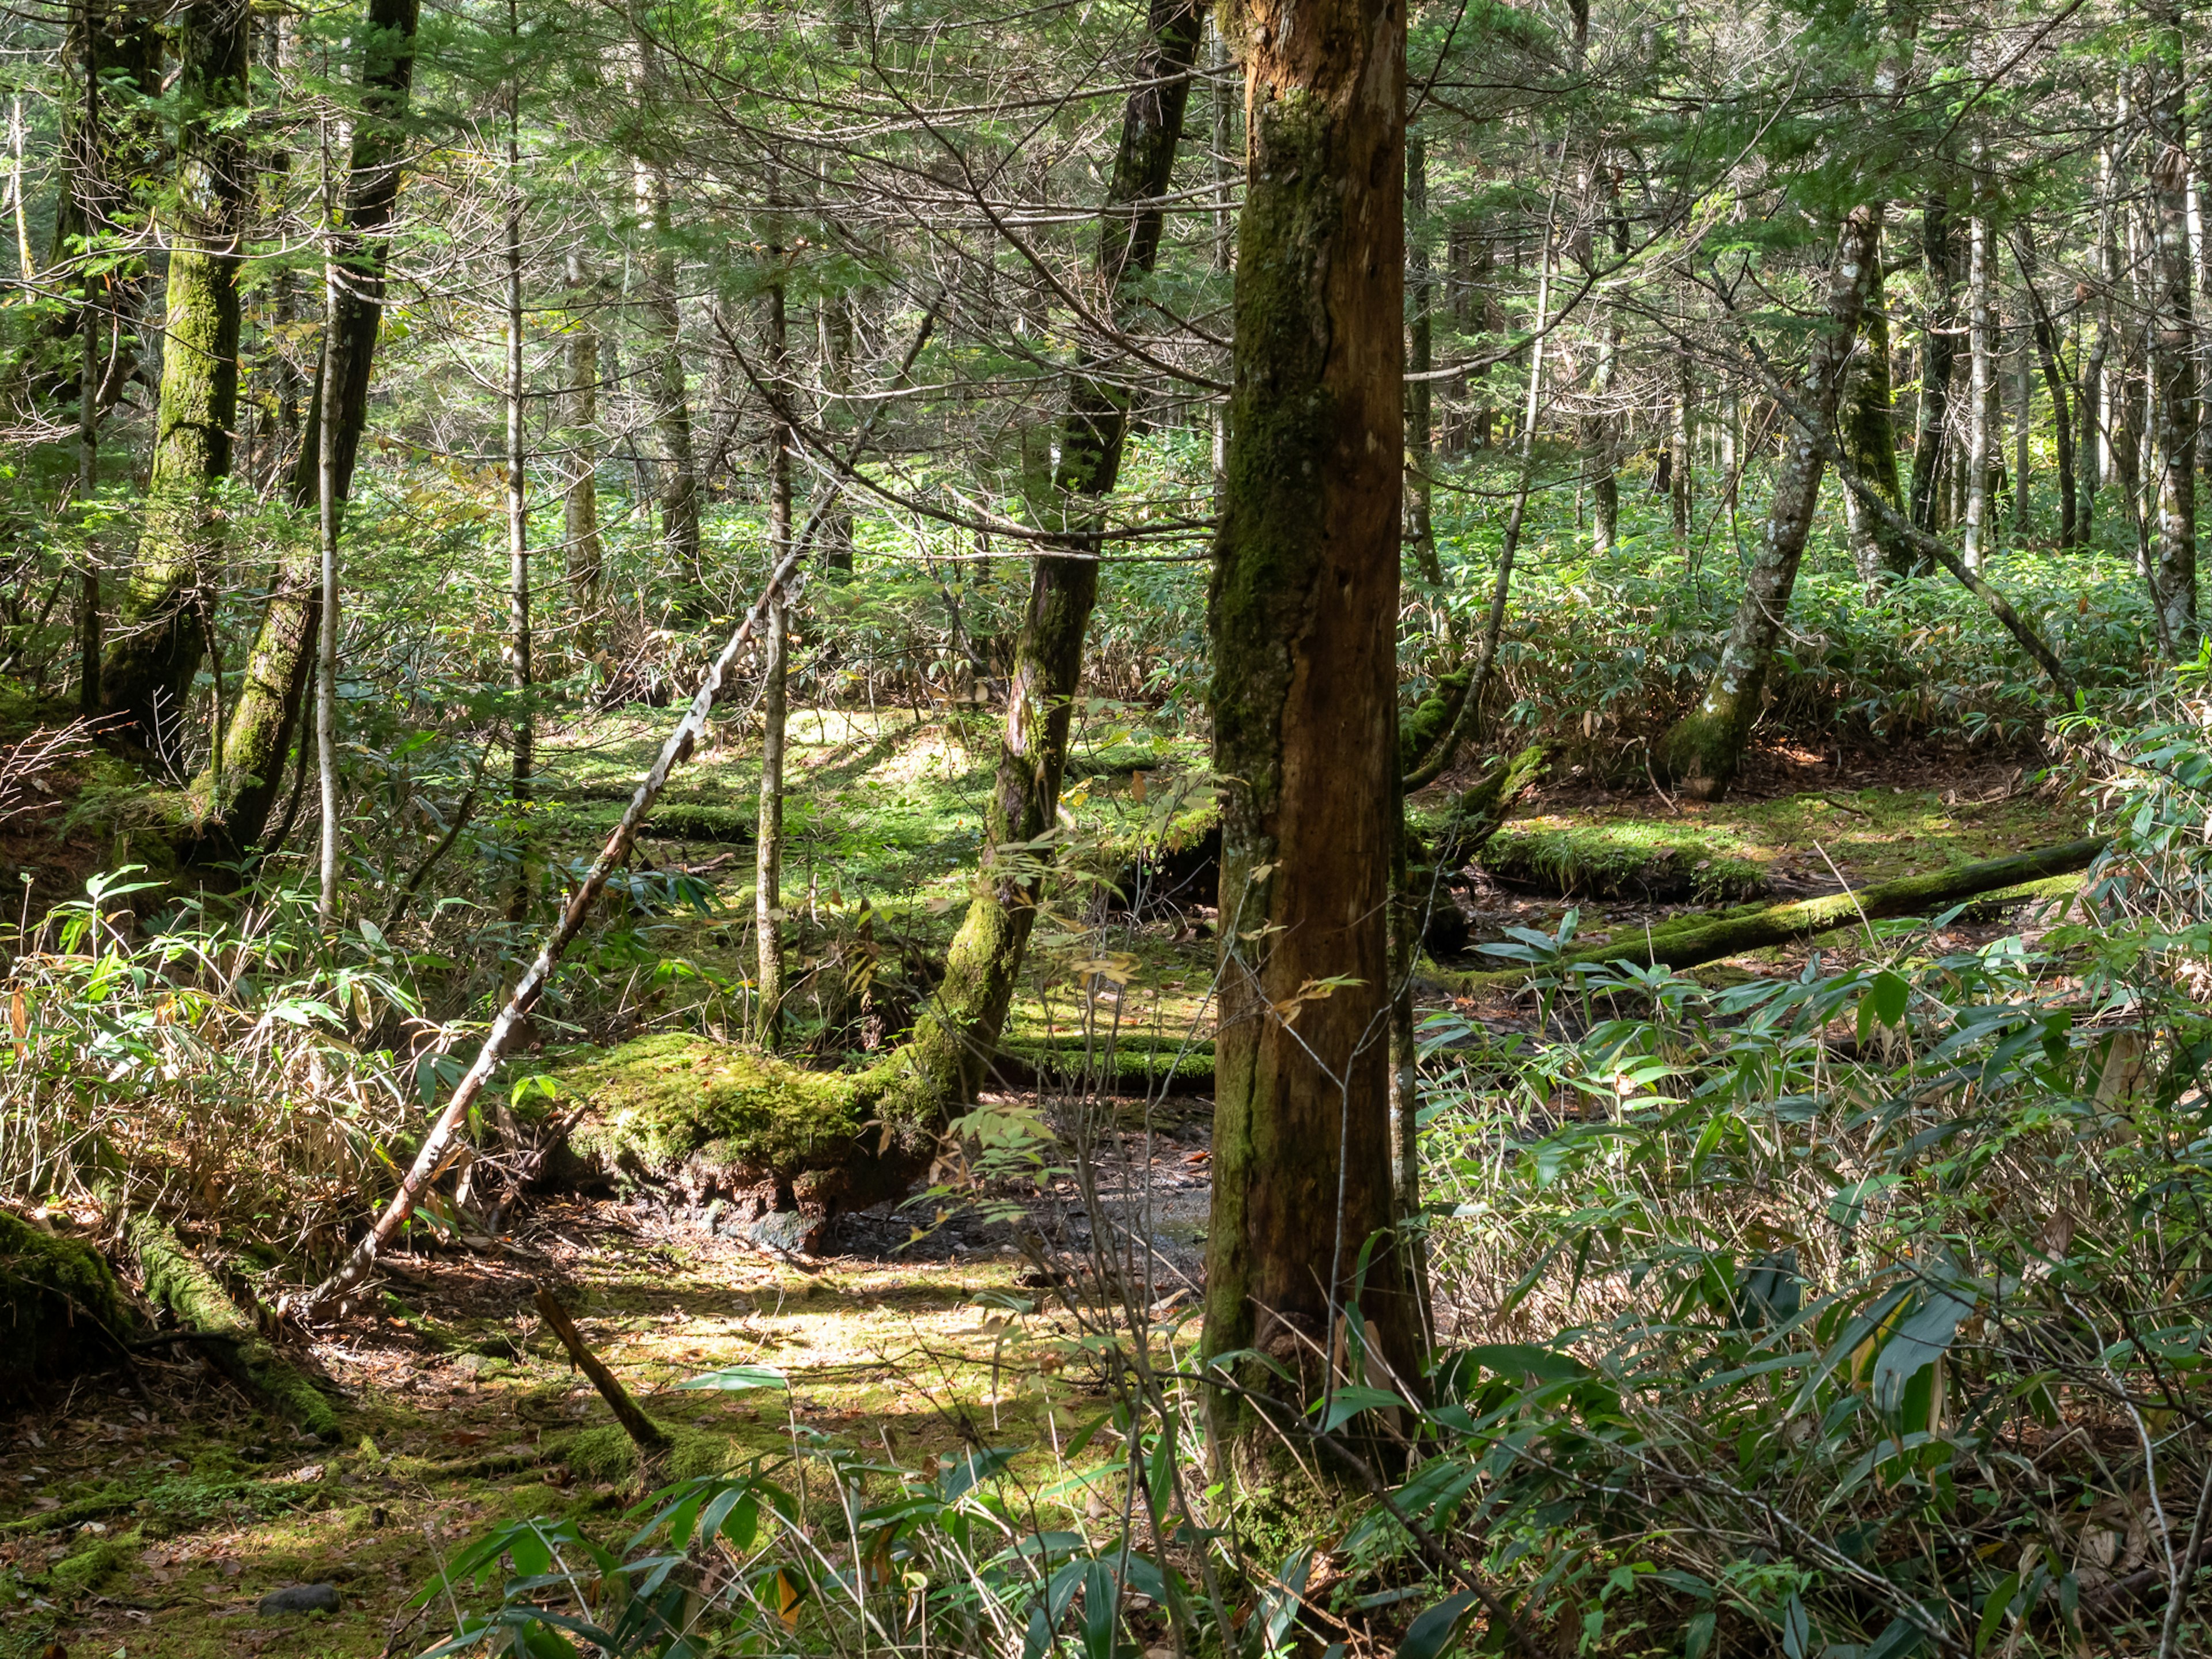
1302 611
263 717
1938 350
1704 750
1869 446
584 555
671 406
958 1030
519 643
161 630
776 654
2173 345
1981 382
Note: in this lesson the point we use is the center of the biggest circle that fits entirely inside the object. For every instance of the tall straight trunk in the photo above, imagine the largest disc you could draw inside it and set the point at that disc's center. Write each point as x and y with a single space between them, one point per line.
2023 381
1938 348
671 404
327 642
265 717
1869 446
87 487
1705 749
1302 611
836 352
584 555
517 508
1420 528
775 655
2043 334
1981 384
1679 456
957 1033
2173 341
1224 230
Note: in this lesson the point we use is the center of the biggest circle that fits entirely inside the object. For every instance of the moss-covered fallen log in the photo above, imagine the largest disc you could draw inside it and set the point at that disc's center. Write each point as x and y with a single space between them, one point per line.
176 1279
1692 942
60 1309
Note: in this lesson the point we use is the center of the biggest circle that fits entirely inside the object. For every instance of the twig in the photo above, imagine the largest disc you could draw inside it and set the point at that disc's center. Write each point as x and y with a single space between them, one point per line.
650 1440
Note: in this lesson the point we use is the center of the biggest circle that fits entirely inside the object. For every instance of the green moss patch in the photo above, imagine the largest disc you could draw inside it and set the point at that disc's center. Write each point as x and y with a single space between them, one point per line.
59 1302
719 1120
1658 862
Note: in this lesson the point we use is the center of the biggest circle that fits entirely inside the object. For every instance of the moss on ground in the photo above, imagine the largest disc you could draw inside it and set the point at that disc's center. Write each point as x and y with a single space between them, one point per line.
59 1303
1636 859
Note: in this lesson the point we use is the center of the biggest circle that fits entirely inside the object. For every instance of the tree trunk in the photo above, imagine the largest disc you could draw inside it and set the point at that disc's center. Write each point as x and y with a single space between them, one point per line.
584 555
1869 446
671 407
958 1030
1302 618
1706 748
262 719
162 629
1981 383
517 519
2173 347
2043 332
1938 348
836 349
775 657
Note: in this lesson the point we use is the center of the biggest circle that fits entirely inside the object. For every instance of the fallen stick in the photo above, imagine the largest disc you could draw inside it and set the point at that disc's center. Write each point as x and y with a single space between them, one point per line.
176 1279
1755 927
443 1142
642 1430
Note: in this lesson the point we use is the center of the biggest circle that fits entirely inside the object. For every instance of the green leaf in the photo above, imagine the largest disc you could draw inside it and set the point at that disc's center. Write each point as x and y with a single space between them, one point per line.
1917 1344
730 1378
1434 1633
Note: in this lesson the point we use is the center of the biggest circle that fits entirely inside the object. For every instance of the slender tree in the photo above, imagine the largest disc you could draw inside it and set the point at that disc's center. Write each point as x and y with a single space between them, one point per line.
2172 342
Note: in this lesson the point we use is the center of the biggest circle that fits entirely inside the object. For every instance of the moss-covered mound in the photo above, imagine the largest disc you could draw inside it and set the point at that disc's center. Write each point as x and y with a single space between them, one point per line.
729 1122
60 1308
1624 859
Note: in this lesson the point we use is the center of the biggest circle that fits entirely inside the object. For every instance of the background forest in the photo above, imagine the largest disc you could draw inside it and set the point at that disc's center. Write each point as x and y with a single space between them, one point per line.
1119 828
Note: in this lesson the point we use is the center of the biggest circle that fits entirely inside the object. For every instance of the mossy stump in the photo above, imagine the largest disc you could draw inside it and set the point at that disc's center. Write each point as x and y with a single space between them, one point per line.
766 1137
61 1309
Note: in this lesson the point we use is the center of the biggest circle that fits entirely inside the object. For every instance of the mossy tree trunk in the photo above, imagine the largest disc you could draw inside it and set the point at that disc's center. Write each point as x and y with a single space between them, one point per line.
958 1032
2044 332
1300 1261
162 629
1705 749
1869 446
1939 350
265 715
2173 345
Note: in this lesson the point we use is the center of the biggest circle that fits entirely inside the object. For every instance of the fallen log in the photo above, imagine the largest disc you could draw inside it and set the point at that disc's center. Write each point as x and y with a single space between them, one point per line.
1692 942
176 1279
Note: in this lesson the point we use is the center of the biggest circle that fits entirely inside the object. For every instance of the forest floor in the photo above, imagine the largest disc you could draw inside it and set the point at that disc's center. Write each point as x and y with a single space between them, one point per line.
182 1504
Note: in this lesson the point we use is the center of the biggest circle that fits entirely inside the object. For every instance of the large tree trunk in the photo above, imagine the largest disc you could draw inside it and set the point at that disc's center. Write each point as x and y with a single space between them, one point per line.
1706 748
958 1032
2174 349
262 719
162 629
1938 350
671 404
1302 614
1870 447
